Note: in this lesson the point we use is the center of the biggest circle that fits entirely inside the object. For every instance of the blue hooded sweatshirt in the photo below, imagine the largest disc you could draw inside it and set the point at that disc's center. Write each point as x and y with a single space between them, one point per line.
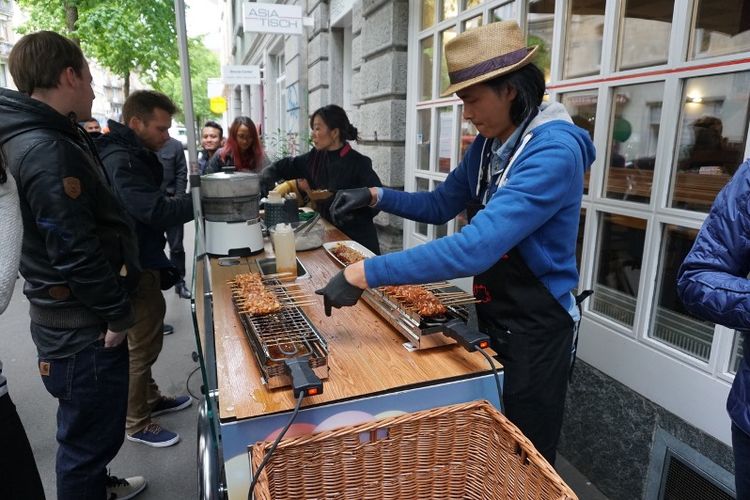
536 208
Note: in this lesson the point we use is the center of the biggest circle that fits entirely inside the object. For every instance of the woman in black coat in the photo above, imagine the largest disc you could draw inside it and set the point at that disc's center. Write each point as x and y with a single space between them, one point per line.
332 165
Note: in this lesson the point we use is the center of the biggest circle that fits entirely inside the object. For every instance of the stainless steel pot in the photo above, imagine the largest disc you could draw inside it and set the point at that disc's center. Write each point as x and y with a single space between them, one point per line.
230 196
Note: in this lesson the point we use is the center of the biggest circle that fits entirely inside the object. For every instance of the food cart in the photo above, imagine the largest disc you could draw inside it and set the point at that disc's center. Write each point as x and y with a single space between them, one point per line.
371 372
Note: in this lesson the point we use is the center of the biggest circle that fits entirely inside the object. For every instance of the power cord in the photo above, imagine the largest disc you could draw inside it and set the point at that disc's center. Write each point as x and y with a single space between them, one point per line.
187 383
497 379
274 445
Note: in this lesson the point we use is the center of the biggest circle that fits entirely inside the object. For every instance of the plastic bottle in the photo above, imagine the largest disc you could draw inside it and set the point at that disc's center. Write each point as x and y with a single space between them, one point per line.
275 213
283 247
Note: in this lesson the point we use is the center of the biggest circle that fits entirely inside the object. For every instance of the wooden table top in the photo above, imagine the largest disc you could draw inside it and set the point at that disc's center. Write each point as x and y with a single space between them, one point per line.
366 355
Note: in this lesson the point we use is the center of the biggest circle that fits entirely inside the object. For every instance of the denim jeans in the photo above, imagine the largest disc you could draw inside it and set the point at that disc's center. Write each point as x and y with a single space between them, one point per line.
91 387
741 447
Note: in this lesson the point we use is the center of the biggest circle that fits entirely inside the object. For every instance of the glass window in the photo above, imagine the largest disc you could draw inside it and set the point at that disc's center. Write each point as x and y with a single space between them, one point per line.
445 138
618 267
720 28
449 8
540 22
711 140
583 40
428 13
737 352
423 185
468 134
426 56
442 229
472 23
582 108
671 323
645 33
506 12
445 37
468 4
423 139
632 143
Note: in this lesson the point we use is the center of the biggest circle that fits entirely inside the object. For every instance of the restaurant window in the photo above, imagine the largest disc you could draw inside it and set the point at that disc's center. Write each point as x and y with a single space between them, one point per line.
472 23
619 257
445 37
505 12
468 134
584 31
581 107
423 185
634 131
737 352
449 9
426 54
671 324
469 4
711 138
720 27
441 229
540 24
428 13
423 138
646 27
445 138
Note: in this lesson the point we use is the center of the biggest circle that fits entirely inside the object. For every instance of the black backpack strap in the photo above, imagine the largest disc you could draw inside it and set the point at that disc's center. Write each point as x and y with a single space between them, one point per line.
585 294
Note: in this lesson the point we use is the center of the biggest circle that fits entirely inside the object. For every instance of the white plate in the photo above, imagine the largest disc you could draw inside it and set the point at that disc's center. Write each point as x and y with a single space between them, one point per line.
329 246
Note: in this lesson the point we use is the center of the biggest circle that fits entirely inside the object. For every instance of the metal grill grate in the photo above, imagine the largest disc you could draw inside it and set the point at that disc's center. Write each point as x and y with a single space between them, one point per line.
683 482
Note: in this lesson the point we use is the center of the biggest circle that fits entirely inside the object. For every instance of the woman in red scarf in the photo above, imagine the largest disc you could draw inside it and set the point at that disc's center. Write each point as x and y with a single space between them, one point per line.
243 149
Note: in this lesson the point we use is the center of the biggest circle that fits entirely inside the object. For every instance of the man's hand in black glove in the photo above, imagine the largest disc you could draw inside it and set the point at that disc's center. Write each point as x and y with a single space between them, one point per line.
339 293
348 200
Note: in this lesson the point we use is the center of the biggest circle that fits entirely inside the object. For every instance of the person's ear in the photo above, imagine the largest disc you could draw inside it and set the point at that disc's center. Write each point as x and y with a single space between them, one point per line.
512 92
135 123
67 77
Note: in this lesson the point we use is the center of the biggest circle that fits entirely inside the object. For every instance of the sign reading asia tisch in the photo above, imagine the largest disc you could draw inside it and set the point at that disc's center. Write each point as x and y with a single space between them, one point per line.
272 18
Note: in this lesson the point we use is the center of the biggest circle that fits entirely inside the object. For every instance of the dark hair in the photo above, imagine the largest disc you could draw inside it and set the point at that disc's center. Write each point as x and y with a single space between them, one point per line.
529 84
243 161
142 103
335 118
37 60
213 124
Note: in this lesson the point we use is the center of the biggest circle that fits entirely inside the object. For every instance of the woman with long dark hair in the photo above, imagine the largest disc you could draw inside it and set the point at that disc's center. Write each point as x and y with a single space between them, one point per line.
243 149
333 165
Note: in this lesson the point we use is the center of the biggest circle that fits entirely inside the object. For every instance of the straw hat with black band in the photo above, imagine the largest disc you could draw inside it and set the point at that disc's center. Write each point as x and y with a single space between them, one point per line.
484 53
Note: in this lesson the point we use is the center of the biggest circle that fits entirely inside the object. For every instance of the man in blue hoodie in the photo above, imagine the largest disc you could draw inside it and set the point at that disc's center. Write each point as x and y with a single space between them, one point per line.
521 183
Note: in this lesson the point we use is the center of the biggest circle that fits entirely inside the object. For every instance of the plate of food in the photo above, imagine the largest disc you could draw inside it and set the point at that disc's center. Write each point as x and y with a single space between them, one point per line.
347 252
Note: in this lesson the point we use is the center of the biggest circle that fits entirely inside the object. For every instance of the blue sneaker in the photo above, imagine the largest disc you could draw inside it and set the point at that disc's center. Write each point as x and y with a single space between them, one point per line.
168 404
154 435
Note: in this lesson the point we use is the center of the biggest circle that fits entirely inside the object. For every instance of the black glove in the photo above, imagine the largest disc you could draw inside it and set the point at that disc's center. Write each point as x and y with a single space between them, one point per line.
346 201
339 293
268 178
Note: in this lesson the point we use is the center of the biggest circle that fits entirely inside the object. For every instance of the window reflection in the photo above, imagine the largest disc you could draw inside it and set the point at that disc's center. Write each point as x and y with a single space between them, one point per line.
581 106
426 51
737 352
619 256
672 324
540 23
468 134
449 9
472 23
633 138
422 186
711 138
583 41
468 4
445 138
720 27
445 37
423 139
428 13
645 33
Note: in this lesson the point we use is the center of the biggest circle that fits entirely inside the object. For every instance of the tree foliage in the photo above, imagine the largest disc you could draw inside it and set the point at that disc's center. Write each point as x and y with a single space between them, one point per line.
125 36
204 64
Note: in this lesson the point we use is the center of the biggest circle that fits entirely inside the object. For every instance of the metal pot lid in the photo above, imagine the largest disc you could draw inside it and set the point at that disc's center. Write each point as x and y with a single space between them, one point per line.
229 176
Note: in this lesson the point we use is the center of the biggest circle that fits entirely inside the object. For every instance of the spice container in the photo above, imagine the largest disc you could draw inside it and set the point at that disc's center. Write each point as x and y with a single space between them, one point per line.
275 213
283 247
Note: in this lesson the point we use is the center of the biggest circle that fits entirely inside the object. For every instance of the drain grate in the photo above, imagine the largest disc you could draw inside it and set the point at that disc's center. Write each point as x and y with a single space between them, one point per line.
681 481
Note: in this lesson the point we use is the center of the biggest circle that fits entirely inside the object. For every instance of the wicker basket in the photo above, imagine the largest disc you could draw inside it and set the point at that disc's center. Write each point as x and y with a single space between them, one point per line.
467 451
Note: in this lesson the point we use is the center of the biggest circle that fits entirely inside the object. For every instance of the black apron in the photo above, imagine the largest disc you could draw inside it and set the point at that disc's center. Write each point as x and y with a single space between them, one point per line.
533 336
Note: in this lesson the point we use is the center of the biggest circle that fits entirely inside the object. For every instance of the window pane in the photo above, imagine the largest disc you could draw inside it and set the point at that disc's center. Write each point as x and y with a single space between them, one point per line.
540 22
632 146
671 323
645 33
468 134
445 138
426 51
449 8
428 13
468 4
423 139
582 108
619 256
720 28
711 139
737 352
442 229
583 41
506 12
472 23
445 37
422 186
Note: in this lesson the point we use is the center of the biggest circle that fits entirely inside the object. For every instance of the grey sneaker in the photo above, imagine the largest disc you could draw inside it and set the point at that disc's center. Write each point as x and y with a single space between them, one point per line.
122 489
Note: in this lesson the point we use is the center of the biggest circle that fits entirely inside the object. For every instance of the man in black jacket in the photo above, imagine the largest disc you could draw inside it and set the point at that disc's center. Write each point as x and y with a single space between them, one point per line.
79 260
129 156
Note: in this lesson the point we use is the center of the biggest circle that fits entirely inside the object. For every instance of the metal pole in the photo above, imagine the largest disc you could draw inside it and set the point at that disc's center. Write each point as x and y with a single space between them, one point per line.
187 90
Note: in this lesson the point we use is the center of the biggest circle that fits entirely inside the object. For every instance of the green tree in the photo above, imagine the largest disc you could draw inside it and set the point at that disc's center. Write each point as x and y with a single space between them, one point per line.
204 64
125 36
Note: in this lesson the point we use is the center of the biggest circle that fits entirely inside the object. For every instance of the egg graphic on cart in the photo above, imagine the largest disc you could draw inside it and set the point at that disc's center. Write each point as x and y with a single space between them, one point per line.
294 431
343 419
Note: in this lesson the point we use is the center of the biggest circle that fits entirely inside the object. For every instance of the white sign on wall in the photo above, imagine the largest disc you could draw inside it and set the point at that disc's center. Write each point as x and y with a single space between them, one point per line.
272 18
215 87
240 75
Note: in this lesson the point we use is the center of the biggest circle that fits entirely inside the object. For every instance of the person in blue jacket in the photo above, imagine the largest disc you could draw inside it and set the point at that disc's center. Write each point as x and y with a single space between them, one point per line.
713 284
521 183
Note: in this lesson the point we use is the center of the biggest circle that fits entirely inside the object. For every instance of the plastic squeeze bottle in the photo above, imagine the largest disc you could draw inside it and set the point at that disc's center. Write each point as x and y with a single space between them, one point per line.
283 247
